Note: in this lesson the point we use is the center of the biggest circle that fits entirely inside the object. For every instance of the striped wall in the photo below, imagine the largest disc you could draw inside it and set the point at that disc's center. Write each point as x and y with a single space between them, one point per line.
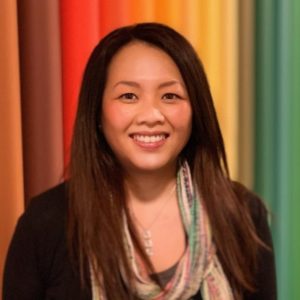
251 53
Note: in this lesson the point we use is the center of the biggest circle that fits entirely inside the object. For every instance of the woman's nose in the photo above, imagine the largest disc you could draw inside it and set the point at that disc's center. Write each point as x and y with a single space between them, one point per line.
150 113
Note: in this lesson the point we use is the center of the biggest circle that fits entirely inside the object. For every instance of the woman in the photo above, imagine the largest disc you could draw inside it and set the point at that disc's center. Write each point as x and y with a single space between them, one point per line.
149 211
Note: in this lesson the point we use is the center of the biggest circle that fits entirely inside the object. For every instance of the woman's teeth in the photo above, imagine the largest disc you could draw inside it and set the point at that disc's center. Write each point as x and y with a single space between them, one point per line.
149 139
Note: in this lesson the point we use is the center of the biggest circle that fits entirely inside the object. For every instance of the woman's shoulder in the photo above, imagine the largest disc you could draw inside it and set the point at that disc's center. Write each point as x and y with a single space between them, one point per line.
49 206
265 278
44 219
53 198
257 209
251 200
37 250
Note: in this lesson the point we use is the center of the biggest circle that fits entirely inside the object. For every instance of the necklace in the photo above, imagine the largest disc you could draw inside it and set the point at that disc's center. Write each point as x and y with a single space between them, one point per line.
146 232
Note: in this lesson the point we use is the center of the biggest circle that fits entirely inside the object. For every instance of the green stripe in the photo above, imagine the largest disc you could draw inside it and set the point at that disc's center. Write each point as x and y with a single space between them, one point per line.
283 207
277 167
265 94
295 151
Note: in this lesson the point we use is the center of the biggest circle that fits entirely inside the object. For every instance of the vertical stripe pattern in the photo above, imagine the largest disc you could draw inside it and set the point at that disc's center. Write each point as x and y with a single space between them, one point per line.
251 53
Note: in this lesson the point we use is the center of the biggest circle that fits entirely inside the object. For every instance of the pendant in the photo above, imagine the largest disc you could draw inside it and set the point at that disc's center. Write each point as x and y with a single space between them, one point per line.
147 237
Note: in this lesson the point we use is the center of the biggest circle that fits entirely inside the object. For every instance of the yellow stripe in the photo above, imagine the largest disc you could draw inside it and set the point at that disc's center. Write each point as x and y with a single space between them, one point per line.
210 42
227 104
214 36
217 45
191 22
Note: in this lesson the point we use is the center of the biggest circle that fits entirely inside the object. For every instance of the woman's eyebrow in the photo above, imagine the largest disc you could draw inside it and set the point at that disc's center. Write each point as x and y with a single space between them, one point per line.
170 83
135 84
125 82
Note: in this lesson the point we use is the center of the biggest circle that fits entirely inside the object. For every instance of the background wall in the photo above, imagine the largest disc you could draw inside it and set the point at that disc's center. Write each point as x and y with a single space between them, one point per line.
251 52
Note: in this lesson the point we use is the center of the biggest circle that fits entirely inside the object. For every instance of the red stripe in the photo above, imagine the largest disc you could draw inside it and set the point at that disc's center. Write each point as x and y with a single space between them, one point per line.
79 34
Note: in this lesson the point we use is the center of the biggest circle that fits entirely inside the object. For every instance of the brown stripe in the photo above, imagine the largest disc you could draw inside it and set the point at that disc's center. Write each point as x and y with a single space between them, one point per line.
41 94
246 92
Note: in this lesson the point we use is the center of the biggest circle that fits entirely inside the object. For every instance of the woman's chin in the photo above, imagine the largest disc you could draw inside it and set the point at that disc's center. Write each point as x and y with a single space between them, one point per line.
150 166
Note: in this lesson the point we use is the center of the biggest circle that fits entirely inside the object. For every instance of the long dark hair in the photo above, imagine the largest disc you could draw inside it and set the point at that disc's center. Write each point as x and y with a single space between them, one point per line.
96 204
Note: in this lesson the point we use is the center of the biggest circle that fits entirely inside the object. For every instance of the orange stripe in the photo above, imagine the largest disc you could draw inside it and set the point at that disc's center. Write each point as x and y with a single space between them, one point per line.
141 11
11 173
113 14
169 12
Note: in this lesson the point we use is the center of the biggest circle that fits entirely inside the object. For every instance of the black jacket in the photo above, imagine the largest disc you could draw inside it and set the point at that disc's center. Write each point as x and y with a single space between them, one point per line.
38 266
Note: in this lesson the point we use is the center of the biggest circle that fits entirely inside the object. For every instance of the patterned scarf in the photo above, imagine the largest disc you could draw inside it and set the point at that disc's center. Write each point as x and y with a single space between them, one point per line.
199 267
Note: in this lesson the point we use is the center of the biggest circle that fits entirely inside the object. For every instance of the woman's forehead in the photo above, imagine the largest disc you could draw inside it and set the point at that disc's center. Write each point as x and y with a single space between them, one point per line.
139 61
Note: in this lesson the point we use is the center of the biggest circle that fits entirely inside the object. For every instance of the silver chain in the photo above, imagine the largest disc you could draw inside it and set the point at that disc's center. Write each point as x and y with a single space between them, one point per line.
147 236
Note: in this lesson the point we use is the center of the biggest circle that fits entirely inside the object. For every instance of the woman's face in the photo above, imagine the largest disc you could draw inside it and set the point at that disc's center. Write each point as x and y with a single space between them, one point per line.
146 112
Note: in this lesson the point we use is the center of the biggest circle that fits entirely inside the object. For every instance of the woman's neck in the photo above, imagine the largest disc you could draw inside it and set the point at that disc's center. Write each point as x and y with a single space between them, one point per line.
149 187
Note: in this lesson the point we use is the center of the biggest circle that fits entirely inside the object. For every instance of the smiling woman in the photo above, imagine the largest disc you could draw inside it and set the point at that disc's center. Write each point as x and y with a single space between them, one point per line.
149 210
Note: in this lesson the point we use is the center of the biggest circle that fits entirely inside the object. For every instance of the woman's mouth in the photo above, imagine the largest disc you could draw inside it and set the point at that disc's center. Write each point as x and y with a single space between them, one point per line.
149 140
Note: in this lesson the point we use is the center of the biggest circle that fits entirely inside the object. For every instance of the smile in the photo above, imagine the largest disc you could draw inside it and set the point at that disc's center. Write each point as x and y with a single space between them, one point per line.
149 141
149 138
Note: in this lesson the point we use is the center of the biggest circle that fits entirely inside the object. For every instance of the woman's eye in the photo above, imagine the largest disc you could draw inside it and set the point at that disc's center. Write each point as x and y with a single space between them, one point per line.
128 97
171 96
